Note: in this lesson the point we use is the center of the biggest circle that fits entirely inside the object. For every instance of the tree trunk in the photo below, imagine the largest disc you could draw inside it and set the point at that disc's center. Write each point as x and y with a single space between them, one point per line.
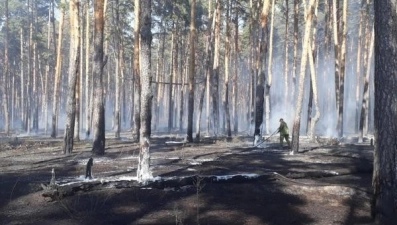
98 147
305 50
145 35
88 78
235 76
119 69
74 59
260 86
192 65
227 69
365 102
174 69
6 75
269 72
384 182
312 121
312 59
286 59
342 70
48 65
215 68
295 62
359 65
208 60
58 74
137 80
23 101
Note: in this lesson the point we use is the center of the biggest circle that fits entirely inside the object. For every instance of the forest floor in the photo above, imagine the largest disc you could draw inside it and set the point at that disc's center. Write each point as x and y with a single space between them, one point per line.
212 182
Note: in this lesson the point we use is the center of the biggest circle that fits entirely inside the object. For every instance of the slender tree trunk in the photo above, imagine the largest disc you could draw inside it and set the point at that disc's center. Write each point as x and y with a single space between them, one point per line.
342 70
305 50
145 34
137 80
295 62
286 59
74 60
98 147
23 101
192 65
384 181
58 74
269 72
48 65
227 69
6 75
216 67
208 71
117 111
88 78
365 102
359 65
312 60
235 76
174 69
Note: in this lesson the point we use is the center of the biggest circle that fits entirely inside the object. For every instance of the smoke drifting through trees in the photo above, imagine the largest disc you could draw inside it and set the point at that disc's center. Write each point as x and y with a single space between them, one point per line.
19 81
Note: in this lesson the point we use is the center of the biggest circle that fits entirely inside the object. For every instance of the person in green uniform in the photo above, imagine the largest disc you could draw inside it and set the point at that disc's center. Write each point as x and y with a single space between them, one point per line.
284 133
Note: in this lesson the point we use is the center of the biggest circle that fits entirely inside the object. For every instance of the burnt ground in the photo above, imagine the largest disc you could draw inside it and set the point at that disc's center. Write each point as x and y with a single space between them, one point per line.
211 182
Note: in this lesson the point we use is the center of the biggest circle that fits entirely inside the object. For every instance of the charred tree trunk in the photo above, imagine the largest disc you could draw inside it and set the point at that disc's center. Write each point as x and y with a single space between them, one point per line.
235 76
192 65
98 147
227 69
384 182
145 36
216 67
260 87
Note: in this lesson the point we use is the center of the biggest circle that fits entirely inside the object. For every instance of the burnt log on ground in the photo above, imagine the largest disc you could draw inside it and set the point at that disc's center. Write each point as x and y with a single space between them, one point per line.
58 192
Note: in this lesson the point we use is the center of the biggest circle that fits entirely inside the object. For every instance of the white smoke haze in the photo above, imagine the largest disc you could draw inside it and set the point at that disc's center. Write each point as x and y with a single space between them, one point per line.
281 107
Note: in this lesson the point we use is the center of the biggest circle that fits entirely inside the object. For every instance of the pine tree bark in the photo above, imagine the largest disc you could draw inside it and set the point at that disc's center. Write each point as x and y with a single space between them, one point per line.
359 65
384 182
74 60
342 70
6 74
295 62
269 72
260 86
192 70
286 59
225 97
145 36
365 101
137 80
216 67
305 49
58 74
118 72
208 60
235 75
88 77
98 147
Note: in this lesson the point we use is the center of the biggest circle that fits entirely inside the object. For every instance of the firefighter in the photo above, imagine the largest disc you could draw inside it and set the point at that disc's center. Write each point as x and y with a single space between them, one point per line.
284 133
